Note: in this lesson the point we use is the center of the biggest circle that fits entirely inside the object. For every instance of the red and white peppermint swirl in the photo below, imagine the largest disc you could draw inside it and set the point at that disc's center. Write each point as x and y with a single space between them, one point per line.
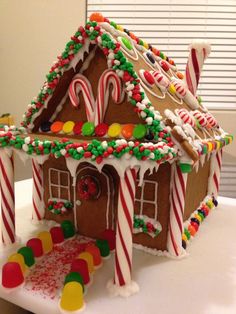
177 202
107 78
211 120
124 233
186 117
81 84
200 118
180 88
37 174
7 197
161 80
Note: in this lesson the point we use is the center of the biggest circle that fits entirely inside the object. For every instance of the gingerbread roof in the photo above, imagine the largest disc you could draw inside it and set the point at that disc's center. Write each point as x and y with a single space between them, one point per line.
156 89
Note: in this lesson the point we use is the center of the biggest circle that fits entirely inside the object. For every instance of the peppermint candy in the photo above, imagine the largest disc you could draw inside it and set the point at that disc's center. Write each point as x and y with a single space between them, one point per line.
200 118
211 120
186 117
180 88
161 80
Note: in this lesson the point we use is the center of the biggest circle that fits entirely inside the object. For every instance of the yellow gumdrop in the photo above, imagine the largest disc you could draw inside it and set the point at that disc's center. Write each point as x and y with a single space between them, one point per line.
145 45
114 130
210 204
46 239
210 146
18 258
72 297
218 144
88 257
68 127
184 237
199 218
171 89
120 28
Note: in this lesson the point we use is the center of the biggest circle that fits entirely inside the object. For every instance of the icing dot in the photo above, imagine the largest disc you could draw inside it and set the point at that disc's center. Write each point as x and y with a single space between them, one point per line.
150 57
139 131
127 130
88 128
45 126
171 89
68 127
57 126
78 128
114 130
101 129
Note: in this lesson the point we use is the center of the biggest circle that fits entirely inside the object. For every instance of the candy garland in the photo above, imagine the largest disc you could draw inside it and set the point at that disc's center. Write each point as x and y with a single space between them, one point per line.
7 197
37 175
81 84
177 202
123 254
215 169
59 207
147 225
107 78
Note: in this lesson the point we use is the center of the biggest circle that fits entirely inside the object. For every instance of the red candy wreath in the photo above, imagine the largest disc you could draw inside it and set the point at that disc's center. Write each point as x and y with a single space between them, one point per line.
88 188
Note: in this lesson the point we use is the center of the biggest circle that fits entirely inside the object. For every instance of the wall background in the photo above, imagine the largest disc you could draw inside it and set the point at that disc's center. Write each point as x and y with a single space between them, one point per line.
32 34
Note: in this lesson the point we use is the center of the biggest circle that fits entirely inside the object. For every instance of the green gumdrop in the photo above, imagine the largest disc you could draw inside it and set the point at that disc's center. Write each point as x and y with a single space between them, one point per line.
103 247
185 168
127 43
139 131
28 255
68 229
187 233
74 276
88 128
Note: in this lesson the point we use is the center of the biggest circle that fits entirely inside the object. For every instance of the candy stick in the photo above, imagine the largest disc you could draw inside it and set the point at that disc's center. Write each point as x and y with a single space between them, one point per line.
38 211
81 84
177 202
108 78
215 169
199 51
7 197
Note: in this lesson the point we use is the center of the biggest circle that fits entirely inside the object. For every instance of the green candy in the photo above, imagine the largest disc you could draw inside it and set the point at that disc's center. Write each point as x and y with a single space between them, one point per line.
126 43
185 168
103 247
88 128
139 131
187 233
28 255
68 228
74 276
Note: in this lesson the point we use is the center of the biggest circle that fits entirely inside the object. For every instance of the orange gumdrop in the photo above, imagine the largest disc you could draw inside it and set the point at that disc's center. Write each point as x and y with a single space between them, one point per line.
57 126
180 75
192 230
127 130
96 17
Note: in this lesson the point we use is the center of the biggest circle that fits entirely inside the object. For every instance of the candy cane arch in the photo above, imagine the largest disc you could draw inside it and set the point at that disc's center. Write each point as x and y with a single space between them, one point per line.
199 51
215 169
177 202
81 84
37 197
7 197
107 78
124 232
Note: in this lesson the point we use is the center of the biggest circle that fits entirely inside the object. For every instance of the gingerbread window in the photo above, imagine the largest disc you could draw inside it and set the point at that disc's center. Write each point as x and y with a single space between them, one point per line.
59 184
146 198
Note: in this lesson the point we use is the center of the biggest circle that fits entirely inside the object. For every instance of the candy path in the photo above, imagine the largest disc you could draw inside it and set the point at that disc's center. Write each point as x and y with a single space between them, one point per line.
47 276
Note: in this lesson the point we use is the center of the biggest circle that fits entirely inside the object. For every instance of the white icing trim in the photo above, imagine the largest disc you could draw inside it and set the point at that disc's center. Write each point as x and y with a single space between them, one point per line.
158 252
123 291
58 184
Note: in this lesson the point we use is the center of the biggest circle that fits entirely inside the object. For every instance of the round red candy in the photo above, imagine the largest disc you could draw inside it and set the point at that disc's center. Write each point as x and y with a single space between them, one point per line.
101 129
195 225
148 77
36 245
78 128
165 66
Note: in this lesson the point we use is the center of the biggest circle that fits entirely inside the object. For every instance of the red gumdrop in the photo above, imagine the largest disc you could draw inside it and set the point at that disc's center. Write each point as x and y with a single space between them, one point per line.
12 275
110 236
195 225
95 252
57 235
80 266
36 245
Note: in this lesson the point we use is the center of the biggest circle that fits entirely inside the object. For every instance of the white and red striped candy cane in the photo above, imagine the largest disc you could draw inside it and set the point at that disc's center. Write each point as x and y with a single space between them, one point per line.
180 88
38 209
124 231
81 84
7 197
186 117
199 51
200 118
177 203
161 80
211 120
107 78
215 169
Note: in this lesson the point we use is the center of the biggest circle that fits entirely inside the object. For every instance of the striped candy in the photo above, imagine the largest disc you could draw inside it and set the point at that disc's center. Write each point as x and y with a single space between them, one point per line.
180 88
37 174
107 78
7 197
186 117
161 80
124 232
211 120
200 118
81 84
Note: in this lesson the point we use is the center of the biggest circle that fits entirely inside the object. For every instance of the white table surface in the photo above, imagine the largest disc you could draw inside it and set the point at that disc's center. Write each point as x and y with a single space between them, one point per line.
202 283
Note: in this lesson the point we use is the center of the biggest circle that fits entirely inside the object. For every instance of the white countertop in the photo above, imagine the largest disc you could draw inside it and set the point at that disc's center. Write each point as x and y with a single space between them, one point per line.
202 283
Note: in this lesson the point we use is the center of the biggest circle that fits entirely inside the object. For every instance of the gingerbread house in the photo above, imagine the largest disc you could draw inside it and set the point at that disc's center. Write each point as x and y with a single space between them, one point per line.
119 141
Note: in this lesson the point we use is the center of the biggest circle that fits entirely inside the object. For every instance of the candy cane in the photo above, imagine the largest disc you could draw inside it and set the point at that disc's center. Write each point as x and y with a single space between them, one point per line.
124 232
161 80
38 210
186 117
81 84
107 78
199 51
177 202
215 169
7 197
